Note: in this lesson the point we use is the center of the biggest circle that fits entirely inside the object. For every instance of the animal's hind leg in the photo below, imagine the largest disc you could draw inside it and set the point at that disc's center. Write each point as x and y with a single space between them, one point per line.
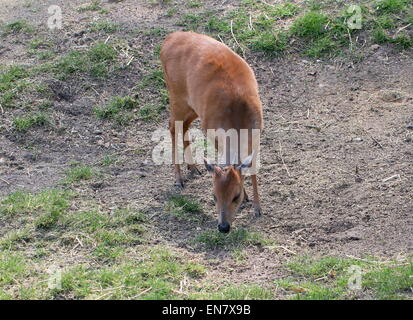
187 144
175 158
256 200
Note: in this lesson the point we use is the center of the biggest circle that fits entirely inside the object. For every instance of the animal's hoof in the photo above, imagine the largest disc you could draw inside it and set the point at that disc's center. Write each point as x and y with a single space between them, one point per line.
179 184
246 199
257 212
194 170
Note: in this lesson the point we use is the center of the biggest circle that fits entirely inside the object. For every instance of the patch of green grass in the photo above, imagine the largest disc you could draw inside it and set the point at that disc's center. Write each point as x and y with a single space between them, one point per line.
380 36
79 173
18 27
95 220
270 42
39 43
13 267
191 21
11 84
45 207
114 238
171 12
326 266
116 108
194 4
104 26
218 24
235 292
150 112
381 280
183 207
239 255
108 233
157 276
310 25
309 290
11 75
390 282
403 41
108 160
15 237
153 79
92 6
24 123
282 10
236 238
391 6
46 55
322 34
97 62
385 22
320 47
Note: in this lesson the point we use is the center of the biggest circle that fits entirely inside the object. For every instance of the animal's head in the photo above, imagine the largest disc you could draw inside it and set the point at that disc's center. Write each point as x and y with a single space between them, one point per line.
228 191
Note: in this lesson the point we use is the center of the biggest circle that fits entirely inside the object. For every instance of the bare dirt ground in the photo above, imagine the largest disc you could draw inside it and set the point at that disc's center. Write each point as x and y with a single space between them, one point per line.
334 132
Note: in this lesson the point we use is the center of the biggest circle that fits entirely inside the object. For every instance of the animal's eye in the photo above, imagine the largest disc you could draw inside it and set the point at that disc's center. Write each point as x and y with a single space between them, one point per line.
236 198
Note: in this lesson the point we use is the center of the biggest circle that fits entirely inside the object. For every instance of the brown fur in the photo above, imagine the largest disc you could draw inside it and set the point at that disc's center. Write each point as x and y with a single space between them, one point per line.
206 79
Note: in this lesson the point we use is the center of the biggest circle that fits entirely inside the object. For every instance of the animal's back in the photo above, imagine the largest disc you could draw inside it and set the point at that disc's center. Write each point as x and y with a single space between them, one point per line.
210 77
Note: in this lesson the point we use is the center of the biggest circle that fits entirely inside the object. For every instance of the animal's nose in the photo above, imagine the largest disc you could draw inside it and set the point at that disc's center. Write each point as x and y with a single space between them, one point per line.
224 227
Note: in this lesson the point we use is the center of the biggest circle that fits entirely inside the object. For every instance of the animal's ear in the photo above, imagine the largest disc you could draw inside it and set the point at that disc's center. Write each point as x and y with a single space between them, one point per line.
212 168
247 162
209 166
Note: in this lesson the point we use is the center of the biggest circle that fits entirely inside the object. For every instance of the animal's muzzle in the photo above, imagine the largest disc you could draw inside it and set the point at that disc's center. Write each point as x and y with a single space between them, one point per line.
224 227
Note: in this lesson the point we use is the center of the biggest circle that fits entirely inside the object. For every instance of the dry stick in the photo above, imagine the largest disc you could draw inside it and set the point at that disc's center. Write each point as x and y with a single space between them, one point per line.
236 41
142 292
5 181
282 159
268 4
378 143
402 28
250 25
351 42
131 59
286 249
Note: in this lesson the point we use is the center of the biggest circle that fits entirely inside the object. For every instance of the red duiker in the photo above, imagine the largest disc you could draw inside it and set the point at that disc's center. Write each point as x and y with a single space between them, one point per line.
207 80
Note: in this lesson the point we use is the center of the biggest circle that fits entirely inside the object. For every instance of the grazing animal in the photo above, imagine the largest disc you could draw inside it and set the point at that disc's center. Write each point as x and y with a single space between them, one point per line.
207 80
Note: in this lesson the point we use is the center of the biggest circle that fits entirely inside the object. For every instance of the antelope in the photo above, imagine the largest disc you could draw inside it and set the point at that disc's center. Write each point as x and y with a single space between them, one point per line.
207 80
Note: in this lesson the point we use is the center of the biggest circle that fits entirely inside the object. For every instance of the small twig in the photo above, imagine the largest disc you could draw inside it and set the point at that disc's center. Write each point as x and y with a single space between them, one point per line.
396 176
80 242
142 292
402 28
284 248
5 181
378 143
131 59
106 41
268 4
351 41
322 278
250 24
272 72
236 41
282 160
